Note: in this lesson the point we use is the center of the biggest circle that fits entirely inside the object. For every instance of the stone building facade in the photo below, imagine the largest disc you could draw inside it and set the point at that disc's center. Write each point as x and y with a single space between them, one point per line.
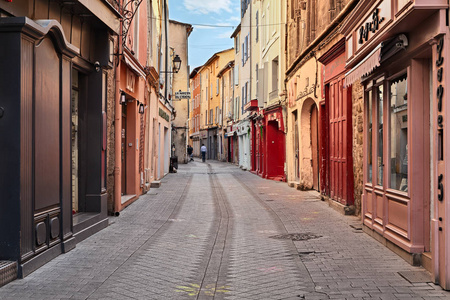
358 136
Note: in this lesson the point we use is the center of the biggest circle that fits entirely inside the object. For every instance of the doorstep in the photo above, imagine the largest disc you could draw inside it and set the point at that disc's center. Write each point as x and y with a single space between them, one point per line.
8 271
339 207
86 224
126 198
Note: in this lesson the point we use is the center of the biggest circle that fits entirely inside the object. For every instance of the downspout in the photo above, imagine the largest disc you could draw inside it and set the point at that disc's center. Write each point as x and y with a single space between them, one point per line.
117 132
188 72
166 56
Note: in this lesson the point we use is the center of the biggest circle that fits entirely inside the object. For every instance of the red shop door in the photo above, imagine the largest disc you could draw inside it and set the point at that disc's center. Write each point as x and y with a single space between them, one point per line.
341 163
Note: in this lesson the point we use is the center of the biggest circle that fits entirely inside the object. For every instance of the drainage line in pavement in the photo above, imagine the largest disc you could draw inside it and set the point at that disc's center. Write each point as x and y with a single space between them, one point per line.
221 235
172 215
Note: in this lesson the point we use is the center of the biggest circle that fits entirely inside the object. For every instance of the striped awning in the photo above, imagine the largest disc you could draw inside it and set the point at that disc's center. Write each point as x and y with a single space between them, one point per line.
365 67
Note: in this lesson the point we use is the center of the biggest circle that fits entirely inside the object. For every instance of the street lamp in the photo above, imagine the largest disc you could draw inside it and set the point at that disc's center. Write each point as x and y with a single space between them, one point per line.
176 65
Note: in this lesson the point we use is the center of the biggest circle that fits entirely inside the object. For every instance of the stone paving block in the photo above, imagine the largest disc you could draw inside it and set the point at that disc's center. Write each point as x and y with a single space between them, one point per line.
207 233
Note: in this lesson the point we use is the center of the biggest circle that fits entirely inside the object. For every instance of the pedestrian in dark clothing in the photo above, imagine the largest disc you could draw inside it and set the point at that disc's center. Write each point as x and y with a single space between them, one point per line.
203 150
190 152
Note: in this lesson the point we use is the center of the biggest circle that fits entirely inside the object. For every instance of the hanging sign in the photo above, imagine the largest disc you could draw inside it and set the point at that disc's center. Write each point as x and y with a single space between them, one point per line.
182 95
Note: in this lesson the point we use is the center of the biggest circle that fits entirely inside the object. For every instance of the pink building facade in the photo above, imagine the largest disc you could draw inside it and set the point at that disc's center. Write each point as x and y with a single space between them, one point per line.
398 51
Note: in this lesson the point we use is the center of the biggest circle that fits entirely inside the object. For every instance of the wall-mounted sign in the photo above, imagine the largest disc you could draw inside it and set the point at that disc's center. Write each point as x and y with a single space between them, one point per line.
163 114
182 95
131 79
440 122
307 91
371 26
373 23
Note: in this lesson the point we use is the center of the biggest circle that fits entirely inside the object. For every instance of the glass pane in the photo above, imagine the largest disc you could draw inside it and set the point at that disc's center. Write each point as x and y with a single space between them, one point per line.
380 165
399 134
369 137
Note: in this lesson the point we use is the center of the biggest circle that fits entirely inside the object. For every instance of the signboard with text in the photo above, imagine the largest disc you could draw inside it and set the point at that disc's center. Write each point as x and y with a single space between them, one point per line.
182 95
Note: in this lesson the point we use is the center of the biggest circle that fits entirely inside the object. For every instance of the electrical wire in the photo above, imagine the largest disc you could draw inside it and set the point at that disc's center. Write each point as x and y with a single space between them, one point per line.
227 26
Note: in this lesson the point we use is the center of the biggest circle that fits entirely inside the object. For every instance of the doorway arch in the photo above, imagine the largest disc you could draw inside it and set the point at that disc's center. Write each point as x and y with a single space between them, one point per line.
309 144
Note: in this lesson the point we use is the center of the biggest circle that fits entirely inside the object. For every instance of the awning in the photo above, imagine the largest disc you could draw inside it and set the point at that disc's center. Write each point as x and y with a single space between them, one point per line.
381 53
365 67
132 65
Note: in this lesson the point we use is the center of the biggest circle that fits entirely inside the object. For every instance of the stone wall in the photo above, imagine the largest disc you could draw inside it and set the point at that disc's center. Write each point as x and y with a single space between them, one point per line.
358 137
110 160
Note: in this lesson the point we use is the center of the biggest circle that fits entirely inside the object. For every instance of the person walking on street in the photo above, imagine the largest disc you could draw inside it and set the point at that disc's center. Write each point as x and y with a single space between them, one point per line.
190 152
203 150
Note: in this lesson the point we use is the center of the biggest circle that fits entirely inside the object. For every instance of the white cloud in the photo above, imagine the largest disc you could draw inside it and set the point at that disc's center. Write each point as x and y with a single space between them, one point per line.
235 19
225 35
208 6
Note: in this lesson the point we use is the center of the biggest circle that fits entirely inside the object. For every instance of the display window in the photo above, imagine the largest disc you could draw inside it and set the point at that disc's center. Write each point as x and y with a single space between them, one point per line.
387 124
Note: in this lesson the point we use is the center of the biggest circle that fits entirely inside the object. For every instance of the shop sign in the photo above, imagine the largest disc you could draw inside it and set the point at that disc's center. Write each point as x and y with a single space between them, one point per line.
377 18
131 79
163 114
440 117
370 26
307 91
334 68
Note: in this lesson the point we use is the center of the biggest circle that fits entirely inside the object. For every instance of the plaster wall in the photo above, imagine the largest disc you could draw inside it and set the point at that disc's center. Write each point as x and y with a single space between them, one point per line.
272 49
255 46
245 71
304 94
178 41
152 93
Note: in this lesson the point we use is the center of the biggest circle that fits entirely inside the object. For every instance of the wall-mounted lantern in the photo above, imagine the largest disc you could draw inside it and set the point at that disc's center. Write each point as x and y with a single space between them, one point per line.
141 108
176 64
123 99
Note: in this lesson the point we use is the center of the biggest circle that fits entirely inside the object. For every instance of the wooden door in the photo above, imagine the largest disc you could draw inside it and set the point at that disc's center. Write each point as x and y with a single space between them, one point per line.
315 147
124 150
340 142
296 147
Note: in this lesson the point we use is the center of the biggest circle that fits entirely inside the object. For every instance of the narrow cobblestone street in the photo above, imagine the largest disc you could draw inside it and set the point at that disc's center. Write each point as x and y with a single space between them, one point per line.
214 231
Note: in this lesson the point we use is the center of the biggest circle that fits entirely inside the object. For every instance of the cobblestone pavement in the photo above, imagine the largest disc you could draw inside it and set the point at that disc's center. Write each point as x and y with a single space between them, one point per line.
213 231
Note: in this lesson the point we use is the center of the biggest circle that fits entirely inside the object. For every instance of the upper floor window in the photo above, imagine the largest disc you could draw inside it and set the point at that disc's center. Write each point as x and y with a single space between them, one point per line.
257 27
244 6
275 74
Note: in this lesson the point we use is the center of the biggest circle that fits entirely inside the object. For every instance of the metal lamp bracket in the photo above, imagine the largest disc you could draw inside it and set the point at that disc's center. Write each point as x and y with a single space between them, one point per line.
129 10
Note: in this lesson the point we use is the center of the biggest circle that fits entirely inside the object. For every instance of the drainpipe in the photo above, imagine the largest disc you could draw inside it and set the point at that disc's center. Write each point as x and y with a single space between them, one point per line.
166 58
117 132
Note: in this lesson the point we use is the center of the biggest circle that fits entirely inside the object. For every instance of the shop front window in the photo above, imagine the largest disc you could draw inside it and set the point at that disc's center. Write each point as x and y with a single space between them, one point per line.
380 164
398 110
369 137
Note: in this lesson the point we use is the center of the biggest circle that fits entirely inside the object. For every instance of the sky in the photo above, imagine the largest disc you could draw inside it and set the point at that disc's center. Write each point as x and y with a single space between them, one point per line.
204 41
